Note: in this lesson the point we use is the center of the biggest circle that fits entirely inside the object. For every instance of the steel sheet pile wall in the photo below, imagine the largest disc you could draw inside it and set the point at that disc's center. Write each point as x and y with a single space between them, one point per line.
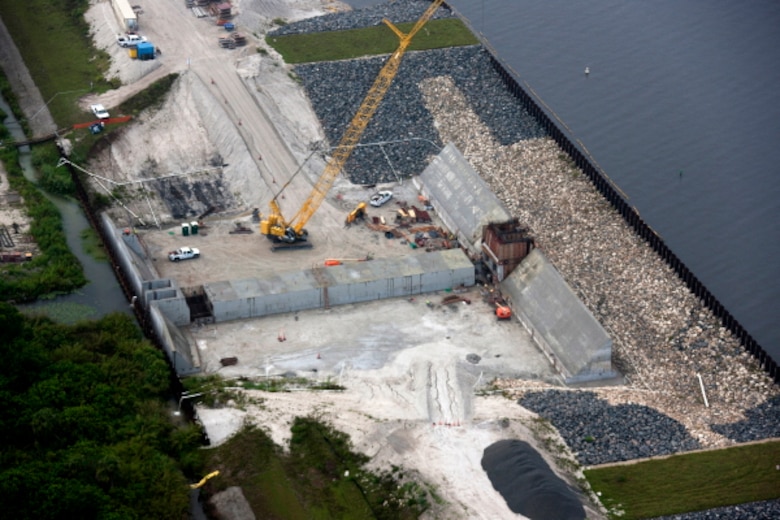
605 187
342 284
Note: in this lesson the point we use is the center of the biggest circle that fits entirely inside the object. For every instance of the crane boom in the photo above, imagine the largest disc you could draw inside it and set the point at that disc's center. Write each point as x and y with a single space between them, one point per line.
276 226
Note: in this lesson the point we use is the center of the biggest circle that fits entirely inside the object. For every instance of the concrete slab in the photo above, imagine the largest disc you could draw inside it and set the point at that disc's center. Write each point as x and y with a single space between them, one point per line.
350 342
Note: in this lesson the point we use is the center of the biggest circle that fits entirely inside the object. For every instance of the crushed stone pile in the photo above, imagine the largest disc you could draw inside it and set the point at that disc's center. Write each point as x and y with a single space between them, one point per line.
401 137
766 510
527 483
399 11
599 432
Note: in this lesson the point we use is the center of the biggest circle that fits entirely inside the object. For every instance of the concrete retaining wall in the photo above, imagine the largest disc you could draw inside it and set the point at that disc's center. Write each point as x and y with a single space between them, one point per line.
560 324
341 284
463 201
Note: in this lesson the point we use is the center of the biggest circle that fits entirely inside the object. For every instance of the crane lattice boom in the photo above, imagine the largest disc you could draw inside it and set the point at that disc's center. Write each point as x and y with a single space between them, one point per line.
292 231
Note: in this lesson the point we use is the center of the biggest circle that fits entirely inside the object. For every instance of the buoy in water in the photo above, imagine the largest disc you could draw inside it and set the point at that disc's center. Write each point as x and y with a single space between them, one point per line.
587 70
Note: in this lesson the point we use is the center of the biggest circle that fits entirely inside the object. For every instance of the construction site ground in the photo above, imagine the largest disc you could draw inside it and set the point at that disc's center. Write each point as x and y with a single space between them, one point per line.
236 126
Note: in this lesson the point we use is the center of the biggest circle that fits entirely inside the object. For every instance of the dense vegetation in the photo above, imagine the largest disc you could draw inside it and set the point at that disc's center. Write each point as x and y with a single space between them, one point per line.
84 427
345 45
321 477
689 482
55 269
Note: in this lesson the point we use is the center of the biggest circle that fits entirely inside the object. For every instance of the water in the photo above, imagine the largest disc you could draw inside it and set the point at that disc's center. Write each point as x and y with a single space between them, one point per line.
102 294
681 109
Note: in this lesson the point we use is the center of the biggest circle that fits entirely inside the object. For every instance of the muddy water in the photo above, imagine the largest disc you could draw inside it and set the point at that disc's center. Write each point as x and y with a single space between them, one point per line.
102 294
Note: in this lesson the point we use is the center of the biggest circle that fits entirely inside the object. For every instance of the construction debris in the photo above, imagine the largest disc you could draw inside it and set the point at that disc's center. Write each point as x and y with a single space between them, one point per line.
240 229
455 298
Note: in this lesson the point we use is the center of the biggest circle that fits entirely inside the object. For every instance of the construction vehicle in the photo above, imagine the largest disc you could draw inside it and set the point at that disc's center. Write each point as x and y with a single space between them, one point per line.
184 253
358 213
291 232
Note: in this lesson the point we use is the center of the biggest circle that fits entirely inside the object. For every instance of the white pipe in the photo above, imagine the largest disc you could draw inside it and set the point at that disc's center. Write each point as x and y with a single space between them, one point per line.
703 393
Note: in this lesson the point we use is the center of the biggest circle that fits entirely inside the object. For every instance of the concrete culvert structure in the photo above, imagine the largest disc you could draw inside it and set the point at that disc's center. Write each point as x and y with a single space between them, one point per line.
527 483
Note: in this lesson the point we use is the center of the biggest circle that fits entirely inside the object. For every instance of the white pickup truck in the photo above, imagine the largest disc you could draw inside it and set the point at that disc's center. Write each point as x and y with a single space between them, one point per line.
129 40
183 253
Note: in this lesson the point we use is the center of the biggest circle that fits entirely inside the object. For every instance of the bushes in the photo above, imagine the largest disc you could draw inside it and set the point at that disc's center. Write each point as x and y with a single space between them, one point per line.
85 432
56 269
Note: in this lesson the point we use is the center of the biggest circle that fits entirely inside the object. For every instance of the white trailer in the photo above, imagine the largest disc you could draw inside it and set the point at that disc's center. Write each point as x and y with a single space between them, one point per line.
128 20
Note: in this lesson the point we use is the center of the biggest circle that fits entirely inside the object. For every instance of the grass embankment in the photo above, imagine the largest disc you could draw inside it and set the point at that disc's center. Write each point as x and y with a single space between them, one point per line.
370 41
691 482
54 41
320 477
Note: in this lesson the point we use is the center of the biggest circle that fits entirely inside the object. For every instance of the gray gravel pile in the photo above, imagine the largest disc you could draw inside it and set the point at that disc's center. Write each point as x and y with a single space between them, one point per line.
520 474
761 422
768 510
398 11
599 433
336 90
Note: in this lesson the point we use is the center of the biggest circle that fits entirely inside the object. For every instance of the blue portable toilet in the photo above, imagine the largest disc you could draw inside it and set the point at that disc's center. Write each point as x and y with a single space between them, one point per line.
145 51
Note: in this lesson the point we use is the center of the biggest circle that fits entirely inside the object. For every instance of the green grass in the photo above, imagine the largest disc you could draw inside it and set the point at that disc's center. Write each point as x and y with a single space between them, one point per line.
309 482
691 482
345 45
54 41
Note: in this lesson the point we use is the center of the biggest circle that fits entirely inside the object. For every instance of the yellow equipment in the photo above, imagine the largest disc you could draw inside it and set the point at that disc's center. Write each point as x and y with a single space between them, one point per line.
358 212
279 229
204 479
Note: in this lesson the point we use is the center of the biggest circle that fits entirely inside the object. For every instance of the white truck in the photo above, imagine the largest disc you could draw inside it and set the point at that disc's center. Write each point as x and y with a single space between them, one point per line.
129 40
184 253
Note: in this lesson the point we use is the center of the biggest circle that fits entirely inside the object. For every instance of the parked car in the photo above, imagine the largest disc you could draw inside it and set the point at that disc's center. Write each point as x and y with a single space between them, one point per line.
129 40
381 197
184 253
99 111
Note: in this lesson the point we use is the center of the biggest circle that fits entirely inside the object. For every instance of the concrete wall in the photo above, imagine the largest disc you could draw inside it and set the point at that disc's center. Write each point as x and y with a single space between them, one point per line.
463 201
574 341
163 303
342 284
129 262
181 353
164 295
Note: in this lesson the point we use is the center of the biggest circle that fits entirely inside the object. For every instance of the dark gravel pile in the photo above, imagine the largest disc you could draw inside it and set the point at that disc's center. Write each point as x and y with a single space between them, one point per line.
401 136
600 433
768 510
336 90
398 11
527 483
761 422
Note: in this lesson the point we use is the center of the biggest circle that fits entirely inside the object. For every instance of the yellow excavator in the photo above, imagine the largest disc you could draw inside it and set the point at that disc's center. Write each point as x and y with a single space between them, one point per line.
356 214
291 233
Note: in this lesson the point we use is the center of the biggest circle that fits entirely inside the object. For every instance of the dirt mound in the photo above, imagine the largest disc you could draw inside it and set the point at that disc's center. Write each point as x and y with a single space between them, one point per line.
527 483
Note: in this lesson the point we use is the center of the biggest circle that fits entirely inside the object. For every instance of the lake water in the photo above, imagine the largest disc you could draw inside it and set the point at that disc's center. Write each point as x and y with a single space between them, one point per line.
681 109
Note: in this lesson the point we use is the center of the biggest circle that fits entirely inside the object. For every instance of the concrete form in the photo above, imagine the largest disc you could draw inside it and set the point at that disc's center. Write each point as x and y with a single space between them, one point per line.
560 324
322 287
463 201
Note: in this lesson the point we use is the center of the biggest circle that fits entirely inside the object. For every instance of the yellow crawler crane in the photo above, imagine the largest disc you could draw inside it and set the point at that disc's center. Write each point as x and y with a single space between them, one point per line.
292 232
